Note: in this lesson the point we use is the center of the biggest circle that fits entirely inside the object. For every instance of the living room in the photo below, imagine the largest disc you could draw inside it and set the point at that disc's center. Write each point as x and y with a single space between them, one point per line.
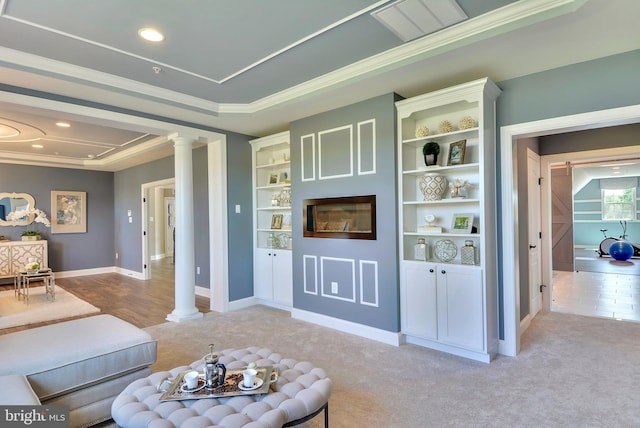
114 238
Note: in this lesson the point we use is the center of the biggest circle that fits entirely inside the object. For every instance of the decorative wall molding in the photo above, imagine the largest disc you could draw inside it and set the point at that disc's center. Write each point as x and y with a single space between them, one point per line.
342 289
334 143
367 144
372 288
308 160
310 263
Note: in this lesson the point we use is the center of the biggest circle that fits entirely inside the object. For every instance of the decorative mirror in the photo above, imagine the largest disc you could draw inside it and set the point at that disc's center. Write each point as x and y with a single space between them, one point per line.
11 202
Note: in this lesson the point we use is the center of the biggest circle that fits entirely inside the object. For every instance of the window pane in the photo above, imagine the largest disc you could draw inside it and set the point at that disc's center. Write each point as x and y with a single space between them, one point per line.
618 204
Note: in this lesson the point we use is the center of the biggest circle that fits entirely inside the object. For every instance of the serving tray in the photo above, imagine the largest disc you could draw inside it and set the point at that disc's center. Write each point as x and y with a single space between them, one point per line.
228 389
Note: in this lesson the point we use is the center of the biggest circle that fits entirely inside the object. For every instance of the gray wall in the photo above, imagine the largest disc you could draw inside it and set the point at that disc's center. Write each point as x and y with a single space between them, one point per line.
67 251
239 192
384 250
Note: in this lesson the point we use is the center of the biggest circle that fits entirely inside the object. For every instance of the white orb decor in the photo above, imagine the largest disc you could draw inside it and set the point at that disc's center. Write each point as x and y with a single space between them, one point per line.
422 131
445 126
467 122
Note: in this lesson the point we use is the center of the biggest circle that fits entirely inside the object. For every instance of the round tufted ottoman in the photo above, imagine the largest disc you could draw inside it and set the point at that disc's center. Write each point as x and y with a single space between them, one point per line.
300 393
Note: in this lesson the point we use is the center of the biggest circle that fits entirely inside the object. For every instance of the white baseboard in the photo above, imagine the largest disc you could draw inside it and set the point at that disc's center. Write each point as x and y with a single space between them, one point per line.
83 272
242 304
367 332
202 291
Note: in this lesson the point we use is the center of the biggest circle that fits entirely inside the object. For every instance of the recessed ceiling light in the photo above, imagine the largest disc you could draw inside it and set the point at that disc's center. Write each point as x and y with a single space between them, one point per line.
151 34
63 124
37 146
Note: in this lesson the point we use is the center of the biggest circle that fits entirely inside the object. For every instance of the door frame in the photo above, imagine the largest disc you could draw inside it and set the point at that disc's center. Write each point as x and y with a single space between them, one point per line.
509 343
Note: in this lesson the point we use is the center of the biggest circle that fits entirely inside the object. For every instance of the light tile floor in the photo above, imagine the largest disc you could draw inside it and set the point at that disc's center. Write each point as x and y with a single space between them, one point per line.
596 294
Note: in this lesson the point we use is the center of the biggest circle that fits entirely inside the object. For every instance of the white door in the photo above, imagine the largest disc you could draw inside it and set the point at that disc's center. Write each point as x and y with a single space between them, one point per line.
535 241
169 224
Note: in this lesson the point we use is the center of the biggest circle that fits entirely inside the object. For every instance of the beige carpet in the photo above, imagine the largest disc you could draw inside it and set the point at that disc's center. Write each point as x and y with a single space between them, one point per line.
14 312
572 371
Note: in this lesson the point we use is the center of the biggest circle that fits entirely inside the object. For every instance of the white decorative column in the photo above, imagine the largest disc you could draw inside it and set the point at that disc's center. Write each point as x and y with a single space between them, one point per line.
185 289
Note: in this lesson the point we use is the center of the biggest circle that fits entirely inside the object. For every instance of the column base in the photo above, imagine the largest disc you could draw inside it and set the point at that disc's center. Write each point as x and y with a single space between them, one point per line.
184 317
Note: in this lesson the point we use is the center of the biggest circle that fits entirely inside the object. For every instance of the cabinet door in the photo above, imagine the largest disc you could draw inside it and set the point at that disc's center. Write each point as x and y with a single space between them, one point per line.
263 274
282 277
419 312
5 260
460 306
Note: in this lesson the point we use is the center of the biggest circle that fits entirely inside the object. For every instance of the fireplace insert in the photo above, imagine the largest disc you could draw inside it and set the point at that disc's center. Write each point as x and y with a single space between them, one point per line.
350 217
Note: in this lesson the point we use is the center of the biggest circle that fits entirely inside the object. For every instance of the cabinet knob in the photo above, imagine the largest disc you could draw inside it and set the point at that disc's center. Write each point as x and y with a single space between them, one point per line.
431 270
269 253
443 271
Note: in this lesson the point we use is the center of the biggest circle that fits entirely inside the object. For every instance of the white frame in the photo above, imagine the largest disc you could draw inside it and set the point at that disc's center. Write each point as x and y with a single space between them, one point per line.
468 216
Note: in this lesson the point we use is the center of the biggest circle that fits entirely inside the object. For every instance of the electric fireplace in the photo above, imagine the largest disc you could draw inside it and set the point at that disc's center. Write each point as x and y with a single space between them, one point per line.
351 217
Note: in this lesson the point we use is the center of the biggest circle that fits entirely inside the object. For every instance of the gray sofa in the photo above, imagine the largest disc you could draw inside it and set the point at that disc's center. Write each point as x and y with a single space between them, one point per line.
83 363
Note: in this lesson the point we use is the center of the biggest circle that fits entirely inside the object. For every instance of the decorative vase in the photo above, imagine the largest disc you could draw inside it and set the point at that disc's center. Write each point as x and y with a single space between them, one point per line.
433 186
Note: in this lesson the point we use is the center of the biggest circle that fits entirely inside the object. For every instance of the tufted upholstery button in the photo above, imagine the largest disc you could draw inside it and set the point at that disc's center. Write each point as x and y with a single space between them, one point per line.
300 391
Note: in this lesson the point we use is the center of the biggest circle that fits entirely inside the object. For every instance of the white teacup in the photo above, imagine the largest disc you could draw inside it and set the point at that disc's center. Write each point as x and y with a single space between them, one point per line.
249 377
191 379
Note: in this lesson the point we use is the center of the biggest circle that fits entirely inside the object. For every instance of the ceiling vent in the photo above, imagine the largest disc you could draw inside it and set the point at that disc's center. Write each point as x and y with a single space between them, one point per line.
410 19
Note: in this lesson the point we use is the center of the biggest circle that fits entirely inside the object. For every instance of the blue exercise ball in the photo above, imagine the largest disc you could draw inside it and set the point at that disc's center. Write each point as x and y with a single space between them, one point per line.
621 250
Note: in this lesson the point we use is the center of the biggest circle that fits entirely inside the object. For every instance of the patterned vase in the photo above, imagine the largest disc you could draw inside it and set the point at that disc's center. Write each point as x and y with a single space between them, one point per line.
433 186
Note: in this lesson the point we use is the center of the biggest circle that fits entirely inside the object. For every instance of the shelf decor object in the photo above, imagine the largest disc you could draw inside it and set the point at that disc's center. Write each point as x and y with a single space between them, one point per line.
445 250
445 127
430 152
433 186
467 122
462 223
422 131
450 301
456 152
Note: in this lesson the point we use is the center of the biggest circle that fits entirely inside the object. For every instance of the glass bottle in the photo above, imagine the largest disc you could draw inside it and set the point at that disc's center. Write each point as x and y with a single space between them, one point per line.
420 250
469 253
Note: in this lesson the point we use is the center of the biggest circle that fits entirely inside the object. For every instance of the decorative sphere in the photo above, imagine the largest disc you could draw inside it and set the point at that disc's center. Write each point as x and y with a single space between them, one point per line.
621 250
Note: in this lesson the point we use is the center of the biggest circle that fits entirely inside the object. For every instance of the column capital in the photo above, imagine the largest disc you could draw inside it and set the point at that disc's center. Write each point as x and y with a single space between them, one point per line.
180 138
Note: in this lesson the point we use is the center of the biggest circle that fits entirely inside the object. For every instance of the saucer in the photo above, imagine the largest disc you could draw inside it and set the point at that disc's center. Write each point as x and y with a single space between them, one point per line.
256 384
191 390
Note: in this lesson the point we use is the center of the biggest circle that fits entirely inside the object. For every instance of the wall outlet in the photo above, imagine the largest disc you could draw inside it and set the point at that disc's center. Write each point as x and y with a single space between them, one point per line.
334 287
237 209
198 270
117 256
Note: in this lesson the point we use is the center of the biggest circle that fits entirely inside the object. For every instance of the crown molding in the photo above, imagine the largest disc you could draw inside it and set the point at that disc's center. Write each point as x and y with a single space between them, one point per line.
508 18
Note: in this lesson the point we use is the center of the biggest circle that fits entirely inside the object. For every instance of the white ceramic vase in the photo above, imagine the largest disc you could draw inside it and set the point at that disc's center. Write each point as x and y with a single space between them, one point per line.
433 186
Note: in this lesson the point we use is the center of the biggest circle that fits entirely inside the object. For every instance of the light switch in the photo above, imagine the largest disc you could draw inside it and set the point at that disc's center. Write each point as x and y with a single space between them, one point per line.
237 209
130 219
128 213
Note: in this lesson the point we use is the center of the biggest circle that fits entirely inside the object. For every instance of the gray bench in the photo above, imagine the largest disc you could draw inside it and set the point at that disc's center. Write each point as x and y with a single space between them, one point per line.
83 363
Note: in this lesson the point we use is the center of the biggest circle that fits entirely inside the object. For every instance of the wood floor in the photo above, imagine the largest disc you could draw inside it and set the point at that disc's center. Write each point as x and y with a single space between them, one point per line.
142 303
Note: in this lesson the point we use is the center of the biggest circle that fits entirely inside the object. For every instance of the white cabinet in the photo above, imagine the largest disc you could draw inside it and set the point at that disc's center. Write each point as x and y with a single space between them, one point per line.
272 277
443 302
454 311
14 255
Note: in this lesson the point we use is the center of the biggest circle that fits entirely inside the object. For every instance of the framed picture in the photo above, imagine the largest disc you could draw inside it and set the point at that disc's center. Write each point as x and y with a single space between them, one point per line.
276 221
68 211
284 177
462 223
456 152
273 178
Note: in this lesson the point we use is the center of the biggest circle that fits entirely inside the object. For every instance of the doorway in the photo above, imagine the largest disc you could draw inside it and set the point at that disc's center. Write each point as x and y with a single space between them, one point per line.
511 288
158 222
